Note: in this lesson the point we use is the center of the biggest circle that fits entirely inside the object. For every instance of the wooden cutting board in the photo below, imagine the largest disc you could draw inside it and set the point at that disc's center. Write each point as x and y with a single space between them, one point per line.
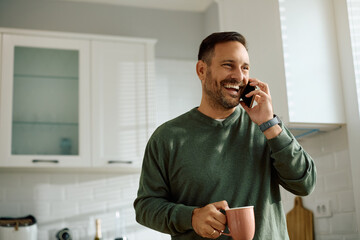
300 223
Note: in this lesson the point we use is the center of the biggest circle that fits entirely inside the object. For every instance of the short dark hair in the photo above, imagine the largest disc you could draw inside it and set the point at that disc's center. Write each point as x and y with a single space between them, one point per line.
207 46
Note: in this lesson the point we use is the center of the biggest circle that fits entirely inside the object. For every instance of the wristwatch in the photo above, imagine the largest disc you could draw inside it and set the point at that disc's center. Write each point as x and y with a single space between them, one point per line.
272 122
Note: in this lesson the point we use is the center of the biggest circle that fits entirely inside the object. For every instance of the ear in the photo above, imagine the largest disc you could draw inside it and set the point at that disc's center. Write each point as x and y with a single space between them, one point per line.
201 68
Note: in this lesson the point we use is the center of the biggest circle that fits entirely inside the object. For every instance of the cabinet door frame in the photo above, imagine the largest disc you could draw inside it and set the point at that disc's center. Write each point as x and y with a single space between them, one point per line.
9 41
100 157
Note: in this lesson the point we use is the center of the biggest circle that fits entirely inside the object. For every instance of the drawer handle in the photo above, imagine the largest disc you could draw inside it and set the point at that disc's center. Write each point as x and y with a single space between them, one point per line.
119 162
44 161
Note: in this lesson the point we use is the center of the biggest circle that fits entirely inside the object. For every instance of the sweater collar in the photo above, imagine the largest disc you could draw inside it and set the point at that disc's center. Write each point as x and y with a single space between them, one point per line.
213 122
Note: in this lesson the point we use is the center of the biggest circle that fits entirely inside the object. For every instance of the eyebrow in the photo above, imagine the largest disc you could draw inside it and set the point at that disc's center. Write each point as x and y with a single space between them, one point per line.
227 60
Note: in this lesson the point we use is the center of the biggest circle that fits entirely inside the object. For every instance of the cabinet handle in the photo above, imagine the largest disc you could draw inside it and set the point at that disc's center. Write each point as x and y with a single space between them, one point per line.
44 161
119 162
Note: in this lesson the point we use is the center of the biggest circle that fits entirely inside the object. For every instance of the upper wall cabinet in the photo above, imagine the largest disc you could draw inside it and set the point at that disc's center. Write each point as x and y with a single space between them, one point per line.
75 100
122 101
293 48
311 60
44 101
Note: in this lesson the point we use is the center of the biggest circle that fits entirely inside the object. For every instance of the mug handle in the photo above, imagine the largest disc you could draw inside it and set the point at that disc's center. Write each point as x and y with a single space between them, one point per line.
226 234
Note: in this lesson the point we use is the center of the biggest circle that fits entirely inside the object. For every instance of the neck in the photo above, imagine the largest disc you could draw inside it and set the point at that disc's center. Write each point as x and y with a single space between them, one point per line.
215 111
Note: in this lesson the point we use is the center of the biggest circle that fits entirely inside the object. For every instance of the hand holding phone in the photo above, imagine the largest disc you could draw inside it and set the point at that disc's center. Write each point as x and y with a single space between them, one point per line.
247 100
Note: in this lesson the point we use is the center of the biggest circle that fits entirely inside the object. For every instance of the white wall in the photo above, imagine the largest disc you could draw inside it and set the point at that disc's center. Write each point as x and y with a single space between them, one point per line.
178 88
351 97
179 33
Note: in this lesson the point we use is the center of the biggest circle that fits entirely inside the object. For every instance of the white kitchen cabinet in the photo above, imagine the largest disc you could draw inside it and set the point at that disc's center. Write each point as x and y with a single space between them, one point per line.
123 115
311 61
44 101
75 100
296 54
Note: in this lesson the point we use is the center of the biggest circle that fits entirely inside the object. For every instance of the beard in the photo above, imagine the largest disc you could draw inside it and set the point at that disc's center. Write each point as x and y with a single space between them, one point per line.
217 96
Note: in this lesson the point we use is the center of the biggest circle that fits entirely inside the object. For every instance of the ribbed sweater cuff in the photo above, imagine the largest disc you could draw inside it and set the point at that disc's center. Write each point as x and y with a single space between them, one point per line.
281 141
184 215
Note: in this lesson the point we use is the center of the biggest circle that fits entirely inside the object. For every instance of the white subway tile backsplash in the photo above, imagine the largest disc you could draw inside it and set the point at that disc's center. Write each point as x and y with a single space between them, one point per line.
43 235
78 193
10 209
64 209
41 210
342 159
329 237
29 179
334 184
19 194
128 193
48 229
2 195
320 184
343 223
118 204
107 193
346 201
338 181
92 180
352 237
122 180
92 207
322 225
48 192
64 179
9 180
335 141
325 164
149 234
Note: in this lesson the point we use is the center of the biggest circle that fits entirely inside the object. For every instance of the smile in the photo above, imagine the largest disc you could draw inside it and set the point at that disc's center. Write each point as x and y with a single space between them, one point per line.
232 87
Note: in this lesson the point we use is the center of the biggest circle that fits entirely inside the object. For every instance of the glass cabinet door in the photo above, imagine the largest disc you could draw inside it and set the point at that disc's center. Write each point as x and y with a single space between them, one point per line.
45 102
45 87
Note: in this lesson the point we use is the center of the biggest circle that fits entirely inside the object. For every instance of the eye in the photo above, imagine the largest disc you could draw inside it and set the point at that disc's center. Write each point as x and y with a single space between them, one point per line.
227 65
247 68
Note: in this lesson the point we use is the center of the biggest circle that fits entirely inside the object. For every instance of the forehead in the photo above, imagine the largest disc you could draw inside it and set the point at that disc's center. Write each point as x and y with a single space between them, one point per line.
230 51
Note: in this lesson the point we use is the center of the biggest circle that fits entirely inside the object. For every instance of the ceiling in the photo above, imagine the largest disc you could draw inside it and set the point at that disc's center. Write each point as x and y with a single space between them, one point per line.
178 5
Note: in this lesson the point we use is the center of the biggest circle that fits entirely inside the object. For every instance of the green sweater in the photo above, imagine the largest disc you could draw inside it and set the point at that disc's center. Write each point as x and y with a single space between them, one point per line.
194 160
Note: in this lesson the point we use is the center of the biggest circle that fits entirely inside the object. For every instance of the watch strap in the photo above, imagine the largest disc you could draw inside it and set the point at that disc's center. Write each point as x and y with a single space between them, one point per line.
272 122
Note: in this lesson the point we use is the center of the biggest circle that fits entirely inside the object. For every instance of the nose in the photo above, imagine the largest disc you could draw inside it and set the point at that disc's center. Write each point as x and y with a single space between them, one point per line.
240 75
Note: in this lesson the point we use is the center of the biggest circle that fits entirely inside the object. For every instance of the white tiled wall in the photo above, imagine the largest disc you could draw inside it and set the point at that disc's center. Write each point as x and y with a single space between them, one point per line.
73 200
334 184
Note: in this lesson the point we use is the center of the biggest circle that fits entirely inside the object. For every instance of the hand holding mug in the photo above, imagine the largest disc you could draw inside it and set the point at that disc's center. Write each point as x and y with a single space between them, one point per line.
208 221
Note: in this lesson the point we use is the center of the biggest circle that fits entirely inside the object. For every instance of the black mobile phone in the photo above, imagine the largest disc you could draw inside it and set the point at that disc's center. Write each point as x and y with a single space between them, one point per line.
248 101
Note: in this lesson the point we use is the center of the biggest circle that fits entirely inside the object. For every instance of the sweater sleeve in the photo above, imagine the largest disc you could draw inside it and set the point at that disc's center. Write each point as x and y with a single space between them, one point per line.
295 168
153 205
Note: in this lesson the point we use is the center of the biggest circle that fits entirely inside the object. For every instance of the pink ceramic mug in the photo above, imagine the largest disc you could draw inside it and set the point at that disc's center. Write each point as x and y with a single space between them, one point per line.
241 223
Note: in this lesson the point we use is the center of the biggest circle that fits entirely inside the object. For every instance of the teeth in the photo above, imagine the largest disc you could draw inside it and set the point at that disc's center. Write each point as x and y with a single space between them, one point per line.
232 86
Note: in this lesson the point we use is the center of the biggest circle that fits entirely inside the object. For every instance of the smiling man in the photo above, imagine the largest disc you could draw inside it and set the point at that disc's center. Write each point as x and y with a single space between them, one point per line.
222 154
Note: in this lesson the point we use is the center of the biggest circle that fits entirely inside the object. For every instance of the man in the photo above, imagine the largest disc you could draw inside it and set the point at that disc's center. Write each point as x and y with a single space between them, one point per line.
221 155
